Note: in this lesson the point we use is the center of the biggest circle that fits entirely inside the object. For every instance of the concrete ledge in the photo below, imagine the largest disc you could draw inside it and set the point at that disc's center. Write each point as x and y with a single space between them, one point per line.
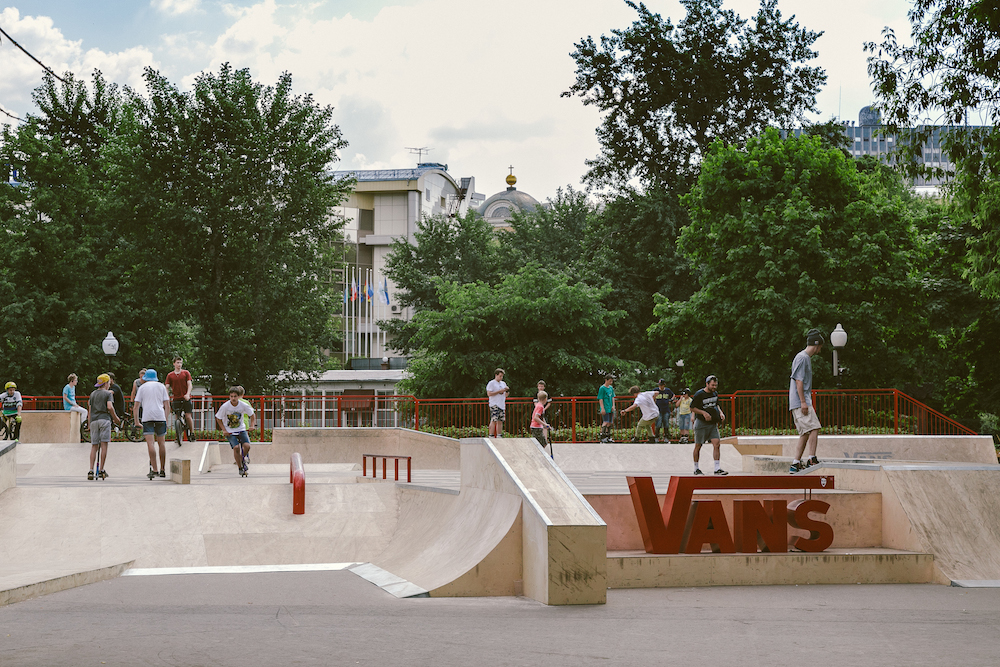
22 592
968 448
870 566
346 445
52 426
8 465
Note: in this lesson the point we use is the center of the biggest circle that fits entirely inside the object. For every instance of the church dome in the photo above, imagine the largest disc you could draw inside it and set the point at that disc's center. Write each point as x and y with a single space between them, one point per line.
499 208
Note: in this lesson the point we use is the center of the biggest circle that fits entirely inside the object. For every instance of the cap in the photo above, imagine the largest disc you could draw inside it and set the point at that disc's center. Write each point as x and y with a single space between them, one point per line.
814 337
662 381
686 390
710 378
150 375
102 378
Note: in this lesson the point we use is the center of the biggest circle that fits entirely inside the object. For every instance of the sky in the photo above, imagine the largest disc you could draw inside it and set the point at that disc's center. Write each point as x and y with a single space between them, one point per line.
477 82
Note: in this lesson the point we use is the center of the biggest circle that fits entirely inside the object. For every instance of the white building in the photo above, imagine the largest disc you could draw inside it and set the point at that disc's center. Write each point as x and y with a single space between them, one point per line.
384 206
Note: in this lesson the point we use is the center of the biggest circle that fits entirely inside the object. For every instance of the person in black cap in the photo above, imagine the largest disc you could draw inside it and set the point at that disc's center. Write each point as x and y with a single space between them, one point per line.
664 398
800 402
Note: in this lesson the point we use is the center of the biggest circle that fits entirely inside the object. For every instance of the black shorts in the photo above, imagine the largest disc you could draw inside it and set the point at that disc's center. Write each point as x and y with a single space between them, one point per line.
184 405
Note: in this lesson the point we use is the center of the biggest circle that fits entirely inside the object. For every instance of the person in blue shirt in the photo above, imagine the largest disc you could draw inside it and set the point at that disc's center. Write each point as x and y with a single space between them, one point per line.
69 397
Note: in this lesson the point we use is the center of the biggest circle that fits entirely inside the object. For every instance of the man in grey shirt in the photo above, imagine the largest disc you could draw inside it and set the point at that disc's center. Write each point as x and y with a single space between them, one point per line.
102 411
800 402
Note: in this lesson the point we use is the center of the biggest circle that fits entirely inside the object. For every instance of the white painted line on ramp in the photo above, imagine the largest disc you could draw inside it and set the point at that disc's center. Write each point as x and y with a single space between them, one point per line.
237 569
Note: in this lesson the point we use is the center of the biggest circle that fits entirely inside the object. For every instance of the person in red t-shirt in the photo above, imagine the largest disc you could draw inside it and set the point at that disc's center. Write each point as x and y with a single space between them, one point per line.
179 386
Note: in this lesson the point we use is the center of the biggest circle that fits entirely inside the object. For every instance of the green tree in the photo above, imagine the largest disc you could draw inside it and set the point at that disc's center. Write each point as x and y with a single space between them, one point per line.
926 91
456 250
56 299
226 197
667 92
534 323
786 235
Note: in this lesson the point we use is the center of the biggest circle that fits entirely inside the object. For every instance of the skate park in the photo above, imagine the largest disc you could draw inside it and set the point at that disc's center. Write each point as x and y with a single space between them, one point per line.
486 516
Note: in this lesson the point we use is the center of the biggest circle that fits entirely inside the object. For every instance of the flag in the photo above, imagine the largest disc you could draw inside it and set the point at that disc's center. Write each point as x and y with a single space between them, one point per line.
368 289
345 294
385 291
354 289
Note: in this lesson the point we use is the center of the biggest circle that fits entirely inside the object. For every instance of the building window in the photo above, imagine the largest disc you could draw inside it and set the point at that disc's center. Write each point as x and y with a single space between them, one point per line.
427 194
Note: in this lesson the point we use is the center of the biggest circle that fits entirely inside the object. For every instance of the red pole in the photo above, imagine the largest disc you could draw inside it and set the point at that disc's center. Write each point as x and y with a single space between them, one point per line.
573 417
261 406
364 465
895 415
408 467
395 463
298 475
416 413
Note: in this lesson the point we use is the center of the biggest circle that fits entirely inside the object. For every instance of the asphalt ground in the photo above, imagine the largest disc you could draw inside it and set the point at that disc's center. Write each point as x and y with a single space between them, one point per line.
337 618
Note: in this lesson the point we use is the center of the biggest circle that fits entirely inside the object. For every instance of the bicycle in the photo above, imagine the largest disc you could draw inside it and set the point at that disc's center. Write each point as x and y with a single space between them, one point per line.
177 407
128 428
9 428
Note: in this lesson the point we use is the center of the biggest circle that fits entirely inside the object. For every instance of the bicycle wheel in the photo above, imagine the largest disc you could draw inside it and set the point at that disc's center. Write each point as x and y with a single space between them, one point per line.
85 431
179 429
132 432
5 432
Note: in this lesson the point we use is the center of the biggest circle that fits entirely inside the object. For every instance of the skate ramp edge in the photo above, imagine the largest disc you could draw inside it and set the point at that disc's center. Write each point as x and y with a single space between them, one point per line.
8 465
952 512
517 526
956 448
30 585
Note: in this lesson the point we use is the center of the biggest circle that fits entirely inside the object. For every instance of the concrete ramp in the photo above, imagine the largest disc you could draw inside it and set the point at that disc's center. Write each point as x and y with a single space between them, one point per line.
951 512
516 525
453 545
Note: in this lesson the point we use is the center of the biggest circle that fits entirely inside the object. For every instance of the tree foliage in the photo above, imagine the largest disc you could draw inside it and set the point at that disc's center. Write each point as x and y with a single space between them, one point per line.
196 222
535 323
668 91
786 235
951 68
230 198
56 303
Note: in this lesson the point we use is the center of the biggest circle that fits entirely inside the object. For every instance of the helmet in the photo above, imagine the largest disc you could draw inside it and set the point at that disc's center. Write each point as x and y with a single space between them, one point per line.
10 385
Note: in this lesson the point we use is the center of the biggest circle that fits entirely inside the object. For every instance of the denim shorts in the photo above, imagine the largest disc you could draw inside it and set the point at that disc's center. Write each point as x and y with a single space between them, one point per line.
156 428
236 438
684 422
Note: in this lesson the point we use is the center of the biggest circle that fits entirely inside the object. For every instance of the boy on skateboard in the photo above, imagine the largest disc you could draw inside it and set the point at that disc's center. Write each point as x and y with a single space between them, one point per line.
229 418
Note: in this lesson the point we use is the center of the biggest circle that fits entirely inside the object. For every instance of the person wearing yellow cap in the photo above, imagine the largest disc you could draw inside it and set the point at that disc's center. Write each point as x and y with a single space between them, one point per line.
102 412
12 407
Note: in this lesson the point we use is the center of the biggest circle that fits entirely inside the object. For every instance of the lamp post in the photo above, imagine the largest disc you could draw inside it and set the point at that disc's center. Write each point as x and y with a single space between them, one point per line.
838 338
110 347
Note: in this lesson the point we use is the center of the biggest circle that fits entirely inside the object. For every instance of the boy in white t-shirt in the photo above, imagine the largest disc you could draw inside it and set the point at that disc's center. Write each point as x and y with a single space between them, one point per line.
229 418
497 391
646 402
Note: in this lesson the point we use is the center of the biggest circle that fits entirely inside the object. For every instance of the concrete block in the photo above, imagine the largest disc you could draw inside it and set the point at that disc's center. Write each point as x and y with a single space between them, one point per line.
180 471
50 426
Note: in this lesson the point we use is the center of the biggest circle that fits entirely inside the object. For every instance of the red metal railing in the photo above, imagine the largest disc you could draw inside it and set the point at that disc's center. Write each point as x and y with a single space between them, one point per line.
574 418
396 459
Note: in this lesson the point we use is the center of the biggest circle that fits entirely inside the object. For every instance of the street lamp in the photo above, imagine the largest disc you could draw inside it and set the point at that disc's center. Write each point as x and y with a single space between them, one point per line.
838 338
110 346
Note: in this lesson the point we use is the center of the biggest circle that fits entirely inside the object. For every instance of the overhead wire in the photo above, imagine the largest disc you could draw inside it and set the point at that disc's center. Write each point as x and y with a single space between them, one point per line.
7 113
43 65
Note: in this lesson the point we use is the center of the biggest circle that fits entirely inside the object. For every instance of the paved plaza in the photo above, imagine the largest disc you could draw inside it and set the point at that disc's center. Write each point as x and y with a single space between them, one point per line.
337 618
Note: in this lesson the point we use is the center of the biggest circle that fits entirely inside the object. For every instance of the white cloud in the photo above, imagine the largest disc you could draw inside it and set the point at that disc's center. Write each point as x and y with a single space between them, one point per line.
476 80
42 39
176 7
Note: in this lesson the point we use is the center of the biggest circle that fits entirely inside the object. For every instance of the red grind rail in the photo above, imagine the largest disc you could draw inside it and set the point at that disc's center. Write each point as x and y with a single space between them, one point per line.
297 477
364 465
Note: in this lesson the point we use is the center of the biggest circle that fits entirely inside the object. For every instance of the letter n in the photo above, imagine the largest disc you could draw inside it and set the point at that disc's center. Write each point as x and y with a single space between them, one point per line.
760 525
707 523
